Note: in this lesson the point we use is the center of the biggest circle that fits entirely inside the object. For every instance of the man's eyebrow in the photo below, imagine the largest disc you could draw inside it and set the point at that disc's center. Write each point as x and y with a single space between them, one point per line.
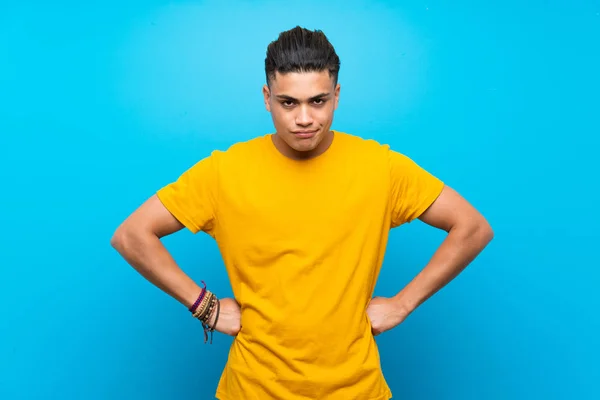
290 98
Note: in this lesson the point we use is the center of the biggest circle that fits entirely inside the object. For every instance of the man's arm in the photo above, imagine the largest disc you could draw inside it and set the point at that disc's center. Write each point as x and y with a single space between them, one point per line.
137 239
468 234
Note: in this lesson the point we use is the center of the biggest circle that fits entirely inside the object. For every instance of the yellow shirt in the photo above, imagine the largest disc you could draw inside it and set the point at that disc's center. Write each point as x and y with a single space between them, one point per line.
303 243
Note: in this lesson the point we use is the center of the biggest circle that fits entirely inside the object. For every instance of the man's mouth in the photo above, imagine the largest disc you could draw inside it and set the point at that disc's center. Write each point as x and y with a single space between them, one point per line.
305 134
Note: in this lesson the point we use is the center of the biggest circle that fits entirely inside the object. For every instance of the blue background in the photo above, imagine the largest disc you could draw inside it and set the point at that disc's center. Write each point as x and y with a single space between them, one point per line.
103 103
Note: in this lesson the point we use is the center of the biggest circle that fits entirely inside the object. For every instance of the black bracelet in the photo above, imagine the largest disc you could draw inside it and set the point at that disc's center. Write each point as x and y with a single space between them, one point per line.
207 328
216 316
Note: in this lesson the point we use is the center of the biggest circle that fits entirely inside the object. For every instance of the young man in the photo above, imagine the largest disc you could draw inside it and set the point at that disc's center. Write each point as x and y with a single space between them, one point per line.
302 218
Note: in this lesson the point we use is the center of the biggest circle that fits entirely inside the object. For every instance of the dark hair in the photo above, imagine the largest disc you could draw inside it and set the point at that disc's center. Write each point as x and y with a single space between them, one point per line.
301 50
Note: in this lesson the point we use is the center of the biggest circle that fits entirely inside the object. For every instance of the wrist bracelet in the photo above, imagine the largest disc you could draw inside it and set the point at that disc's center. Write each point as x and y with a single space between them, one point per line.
203 309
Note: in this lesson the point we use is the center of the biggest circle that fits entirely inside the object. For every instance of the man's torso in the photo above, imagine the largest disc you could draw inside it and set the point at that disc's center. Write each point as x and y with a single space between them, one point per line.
303 243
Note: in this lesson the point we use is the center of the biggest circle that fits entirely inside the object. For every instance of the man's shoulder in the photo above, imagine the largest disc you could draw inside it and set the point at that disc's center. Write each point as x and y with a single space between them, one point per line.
363 144
244 148
253 143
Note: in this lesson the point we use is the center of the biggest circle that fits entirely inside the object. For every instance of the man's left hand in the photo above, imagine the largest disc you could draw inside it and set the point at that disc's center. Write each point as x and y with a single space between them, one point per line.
384 314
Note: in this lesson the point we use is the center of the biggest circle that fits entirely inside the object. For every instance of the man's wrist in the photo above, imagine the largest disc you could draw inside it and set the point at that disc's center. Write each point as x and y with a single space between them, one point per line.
403 305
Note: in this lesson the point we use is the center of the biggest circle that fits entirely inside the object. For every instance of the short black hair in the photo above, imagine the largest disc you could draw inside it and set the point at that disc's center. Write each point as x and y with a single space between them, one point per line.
301 50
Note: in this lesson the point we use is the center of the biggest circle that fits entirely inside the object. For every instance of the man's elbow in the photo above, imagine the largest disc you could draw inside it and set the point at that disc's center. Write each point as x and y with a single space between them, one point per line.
484 231
118 238
475 228
123 236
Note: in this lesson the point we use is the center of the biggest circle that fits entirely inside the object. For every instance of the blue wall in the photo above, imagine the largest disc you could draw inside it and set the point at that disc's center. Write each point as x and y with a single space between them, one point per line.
100 105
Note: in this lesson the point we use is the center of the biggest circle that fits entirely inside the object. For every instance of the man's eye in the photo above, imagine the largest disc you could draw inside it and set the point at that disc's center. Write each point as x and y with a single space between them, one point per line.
319 102
287 103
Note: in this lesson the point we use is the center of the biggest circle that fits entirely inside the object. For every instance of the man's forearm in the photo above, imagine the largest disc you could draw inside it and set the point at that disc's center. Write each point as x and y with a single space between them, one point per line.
146 253
457 250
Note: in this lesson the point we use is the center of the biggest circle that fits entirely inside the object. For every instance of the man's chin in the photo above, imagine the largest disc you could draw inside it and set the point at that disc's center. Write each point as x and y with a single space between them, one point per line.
305 146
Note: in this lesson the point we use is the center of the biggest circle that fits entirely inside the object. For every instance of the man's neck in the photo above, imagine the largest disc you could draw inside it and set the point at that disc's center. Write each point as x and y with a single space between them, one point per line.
293 154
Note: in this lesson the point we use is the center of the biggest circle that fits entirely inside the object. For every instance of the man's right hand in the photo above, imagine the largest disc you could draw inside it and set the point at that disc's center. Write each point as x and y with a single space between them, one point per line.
229 321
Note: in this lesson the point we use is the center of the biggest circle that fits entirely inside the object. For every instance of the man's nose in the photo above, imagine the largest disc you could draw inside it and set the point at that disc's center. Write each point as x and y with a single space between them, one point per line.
303 118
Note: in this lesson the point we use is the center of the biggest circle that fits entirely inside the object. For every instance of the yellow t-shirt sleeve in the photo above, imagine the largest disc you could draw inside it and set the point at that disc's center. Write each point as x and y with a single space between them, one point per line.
192 197
413 189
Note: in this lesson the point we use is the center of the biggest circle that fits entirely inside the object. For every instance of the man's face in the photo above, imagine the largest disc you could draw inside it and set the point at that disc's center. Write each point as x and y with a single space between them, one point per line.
302 106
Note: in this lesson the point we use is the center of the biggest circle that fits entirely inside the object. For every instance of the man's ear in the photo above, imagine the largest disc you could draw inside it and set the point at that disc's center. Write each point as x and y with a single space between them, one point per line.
337 95
267 96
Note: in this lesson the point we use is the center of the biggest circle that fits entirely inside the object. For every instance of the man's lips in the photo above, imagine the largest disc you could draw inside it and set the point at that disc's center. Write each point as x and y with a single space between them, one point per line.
305 133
